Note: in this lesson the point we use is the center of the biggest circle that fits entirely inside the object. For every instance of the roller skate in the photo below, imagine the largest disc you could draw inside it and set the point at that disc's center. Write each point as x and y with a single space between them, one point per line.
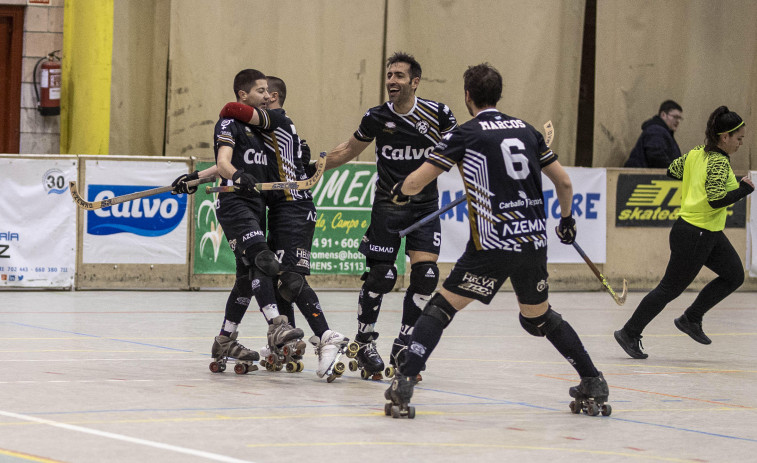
365 357
329 349
591 395
285 347
399 394
399 350
225 347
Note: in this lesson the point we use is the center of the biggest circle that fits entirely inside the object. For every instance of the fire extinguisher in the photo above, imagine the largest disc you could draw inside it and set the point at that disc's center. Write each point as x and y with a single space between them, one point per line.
48 94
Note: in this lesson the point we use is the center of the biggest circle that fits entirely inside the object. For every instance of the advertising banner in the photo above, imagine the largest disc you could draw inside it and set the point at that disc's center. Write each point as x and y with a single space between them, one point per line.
37 223
149 230
343 199
589 211
655 201
212 254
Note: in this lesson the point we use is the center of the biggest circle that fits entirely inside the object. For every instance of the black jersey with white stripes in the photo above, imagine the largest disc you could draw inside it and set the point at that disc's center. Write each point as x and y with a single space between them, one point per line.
403 141
284 147
270 151
500 159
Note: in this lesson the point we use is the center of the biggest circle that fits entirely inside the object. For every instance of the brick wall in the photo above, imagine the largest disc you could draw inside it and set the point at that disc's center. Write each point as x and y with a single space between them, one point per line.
43 33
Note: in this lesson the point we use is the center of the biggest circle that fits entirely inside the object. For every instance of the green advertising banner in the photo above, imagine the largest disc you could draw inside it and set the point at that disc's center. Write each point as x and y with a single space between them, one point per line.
212 253
343 199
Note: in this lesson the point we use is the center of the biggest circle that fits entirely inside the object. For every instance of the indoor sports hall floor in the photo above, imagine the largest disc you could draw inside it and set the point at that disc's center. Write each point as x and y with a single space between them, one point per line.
95 376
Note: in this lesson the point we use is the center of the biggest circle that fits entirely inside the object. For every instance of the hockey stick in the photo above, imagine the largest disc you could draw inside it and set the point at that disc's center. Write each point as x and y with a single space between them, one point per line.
549 132
620 300
91 205
306 184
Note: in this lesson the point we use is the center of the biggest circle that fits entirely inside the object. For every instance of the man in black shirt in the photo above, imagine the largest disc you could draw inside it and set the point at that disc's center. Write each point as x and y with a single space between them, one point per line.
501 159
406 129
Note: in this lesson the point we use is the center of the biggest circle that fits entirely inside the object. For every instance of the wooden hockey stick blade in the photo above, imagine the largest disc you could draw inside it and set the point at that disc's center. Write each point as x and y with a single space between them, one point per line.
306 184
431 217
620 300
91 205
549 133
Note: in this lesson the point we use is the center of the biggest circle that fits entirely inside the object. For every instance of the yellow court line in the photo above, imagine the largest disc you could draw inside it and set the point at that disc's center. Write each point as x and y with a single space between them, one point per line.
27 457
469 445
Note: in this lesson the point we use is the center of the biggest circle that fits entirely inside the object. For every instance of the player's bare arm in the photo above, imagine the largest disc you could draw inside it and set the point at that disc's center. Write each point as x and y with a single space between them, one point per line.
563 186
223 163
345 152
419 178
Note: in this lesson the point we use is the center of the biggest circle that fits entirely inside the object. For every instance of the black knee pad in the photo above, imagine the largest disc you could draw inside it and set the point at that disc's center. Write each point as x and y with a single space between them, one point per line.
424 276
381 278
541 325
440 309
261 261
290 285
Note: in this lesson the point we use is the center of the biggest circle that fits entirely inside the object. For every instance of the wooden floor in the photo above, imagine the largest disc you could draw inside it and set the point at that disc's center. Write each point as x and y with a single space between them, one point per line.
123 377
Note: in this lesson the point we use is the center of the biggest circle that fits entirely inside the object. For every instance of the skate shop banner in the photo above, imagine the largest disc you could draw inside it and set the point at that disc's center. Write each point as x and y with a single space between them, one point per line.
589 211
751 232
37 223
655 201
343 199
149 230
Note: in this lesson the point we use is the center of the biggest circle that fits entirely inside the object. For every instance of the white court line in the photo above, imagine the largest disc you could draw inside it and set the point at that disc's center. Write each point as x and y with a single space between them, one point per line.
133 440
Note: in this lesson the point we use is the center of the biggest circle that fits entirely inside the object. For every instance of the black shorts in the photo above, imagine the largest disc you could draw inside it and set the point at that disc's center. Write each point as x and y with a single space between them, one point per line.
480 274
242 220
291 225
382 240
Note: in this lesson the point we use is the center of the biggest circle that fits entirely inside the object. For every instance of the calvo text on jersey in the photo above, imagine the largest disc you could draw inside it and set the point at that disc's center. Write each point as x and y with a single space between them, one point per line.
251 156
406 153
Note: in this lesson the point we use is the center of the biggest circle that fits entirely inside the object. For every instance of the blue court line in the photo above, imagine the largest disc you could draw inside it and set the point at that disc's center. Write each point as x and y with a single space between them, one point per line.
100 337
490 401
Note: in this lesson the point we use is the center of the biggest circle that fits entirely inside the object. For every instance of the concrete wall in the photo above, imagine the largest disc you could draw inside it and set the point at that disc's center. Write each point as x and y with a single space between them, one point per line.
43 33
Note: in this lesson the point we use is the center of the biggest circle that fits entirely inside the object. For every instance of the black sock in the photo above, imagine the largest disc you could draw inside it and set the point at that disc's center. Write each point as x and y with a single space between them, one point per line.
567 342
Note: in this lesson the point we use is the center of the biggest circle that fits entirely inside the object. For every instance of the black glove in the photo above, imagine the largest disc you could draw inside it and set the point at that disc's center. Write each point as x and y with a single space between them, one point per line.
180 184
566 231
310 168
397 197
244 181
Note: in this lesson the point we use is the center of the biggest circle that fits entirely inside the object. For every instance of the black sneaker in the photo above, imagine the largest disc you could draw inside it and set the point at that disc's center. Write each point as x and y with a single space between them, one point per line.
632 345
693 329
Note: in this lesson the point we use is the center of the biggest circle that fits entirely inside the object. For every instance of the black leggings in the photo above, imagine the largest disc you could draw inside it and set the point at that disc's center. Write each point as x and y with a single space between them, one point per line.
691 248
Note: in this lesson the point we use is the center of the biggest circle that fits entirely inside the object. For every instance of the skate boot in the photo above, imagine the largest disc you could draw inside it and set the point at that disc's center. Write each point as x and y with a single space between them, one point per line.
285 347
366 357
399 394
591 395
329 348
225 347
399 349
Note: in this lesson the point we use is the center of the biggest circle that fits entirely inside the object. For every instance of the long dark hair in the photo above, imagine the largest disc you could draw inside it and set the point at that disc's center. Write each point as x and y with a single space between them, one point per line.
721 121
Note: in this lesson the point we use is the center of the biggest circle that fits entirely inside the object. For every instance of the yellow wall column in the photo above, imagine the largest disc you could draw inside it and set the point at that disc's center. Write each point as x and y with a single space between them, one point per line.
85 92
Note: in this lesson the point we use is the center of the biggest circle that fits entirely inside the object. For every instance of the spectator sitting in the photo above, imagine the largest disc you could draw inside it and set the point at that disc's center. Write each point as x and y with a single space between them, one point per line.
657 146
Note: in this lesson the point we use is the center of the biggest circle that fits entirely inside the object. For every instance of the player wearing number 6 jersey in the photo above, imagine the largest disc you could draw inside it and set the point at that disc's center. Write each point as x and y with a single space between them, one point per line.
501 159
406 129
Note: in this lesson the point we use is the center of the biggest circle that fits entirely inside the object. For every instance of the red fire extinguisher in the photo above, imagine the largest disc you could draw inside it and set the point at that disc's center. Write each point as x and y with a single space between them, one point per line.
48 95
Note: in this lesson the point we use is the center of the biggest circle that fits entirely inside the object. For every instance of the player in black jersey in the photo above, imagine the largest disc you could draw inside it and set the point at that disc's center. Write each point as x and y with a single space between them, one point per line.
406 128
291 225
501 159
241 160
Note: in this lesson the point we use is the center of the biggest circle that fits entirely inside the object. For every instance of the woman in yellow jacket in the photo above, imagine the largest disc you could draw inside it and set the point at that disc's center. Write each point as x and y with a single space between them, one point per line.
697 237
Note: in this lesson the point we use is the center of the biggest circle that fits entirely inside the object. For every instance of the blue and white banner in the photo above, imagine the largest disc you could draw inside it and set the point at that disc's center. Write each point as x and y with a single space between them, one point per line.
150 230
37 223
589 211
